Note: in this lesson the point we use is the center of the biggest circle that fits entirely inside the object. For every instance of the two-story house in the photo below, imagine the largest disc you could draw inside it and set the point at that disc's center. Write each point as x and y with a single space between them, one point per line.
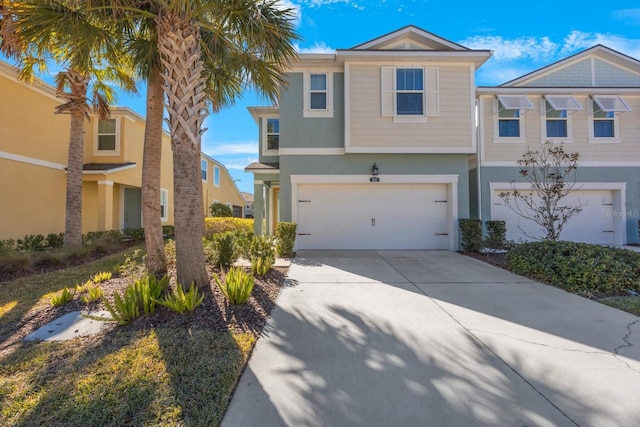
33 156
370 147
219 187
590 102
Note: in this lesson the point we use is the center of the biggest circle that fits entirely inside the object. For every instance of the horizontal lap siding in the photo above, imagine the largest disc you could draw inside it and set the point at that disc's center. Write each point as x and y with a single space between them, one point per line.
628 150
452 128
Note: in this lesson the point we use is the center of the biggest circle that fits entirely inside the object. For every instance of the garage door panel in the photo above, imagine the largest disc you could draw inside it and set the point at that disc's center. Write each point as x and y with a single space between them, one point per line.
381 216
594 224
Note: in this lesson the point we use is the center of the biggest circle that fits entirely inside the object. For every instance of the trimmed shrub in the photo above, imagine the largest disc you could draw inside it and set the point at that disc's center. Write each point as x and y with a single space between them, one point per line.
496 235
213 226
471 233
242 243
224 250
133 234
219 210
285 238
8 245
54 240
31 242
577 267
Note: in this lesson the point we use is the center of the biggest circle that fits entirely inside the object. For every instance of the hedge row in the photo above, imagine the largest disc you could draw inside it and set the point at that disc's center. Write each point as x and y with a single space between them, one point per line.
577 267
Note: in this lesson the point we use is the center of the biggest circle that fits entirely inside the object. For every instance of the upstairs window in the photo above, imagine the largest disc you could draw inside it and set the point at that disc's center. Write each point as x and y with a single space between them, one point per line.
203 169
603 122
557 111
273 134
410 94
510 115
605 109
318 94
107 138
556 122
410 91
216 176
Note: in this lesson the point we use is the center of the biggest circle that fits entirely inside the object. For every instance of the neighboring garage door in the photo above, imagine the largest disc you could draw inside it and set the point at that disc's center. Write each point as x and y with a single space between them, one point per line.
378 216
594 224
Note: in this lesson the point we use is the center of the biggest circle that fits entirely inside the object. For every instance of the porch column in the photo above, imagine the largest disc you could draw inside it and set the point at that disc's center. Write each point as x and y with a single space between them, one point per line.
105 205
258 207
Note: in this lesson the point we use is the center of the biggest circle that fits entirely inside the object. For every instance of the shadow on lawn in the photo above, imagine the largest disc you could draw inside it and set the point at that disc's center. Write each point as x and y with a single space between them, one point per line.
172 372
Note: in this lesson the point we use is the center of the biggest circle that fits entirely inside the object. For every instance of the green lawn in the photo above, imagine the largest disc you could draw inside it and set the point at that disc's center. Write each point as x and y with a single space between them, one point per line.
129 376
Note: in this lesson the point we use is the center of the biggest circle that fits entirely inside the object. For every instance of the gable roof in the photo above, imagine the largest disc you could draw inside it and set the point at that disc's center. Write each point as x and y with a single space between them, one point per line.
410 32
598 51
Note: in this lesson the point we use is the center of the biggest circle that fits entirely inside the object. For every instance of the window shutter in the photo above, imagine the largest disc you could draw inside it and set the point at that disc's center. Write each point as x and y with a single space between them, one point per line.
388 91
433 96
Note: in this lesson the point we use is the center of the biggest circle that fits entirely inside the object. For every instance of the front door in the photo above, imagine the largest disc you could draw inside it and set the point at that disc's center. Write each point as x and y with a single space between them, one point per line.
132 207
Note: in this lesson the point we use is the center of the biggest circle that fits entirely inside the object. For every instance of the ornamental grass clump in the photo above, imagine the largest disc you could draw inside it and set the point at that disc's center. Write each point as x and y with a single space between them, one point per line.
237 285
182 302
63 297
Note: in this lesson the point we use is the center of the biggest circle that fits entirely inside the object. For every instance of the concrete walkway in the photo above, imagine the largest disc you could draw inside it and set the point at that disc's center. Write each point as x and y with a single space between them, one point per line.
434 338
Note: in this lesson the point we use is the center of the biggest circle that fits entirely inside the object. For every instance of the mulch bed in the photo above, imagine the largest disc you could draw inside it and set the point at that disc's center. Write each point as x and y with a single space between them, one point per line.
215 313
490 258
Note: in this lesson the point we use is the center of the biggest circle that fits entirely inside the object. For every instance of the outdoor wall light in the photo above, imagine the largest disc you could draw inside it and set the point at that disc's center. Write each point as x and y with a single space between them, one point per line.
374 170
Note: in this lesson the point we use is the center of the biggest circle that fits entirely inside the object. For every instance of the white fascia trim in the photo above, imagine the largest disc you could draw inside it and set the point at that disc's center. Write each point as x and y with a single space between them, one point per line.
31 161
467 55
412 150
265 171
622 186
105 182
311 151
513 164
558 90
384 179
121 168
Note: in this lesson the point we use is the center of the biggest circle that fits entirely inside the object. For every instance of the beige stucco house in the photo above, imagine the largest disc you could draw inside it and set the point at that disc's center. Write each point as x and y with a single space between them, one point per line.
33 155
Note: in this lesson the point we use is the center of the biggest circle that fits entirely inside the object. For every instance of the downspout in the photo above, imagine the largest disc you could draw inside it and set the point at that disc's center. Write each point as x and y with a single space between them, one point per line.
478 154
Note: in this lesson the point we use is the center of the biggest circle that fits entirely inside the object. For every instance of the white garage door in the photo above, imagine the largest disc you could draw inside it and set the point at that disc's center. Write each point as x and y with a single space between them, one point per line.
378 216
594 224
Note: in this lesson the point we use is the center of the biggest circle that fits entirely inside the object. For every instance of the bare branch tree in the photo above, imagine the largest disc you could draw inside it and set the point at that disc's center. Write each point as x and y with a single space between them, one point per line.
551 173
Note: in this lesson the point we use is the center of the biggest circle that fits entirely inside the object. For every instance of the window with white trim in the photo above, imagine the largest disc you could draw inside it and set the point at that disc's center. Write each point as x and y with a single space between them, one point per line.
510 120
107 140
216 176
203 169
557 110
164 204
273 134
409 92
318 94
604 112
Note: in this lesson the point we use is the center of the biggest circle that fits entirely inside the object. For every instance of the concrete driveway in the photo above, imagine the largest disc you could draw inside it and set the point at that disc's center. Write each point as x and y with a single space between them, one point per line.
434 338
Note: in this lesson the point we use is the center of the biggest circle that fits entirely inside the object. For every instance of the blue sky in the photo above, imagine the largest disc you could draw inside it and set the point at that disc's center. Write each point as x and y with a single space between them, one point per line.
522 40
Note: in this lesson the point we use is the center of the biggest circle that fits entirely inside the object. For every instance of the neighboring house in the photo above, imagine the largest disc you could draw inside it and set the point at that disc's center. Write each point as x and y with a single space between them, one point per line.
590 102
33 156
248 204
370 147
219 187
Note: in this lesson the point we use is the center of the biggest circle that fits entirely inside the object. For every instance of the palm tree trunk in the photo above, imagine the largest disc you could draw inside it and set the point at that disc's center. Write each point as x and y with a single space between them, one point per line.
179 46
76 106
151 166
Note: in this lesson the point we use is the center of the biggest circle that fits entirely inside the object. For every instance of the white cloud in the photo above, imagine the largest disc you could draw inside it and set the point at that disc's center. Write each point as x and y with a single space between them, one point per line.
297 10
520 48
579 40
319 47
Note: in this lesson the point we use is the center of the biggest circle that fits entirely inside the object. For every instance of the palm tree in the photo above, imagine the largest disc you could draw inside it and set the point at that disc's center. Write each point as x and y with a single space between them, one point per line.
37 32
210 50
